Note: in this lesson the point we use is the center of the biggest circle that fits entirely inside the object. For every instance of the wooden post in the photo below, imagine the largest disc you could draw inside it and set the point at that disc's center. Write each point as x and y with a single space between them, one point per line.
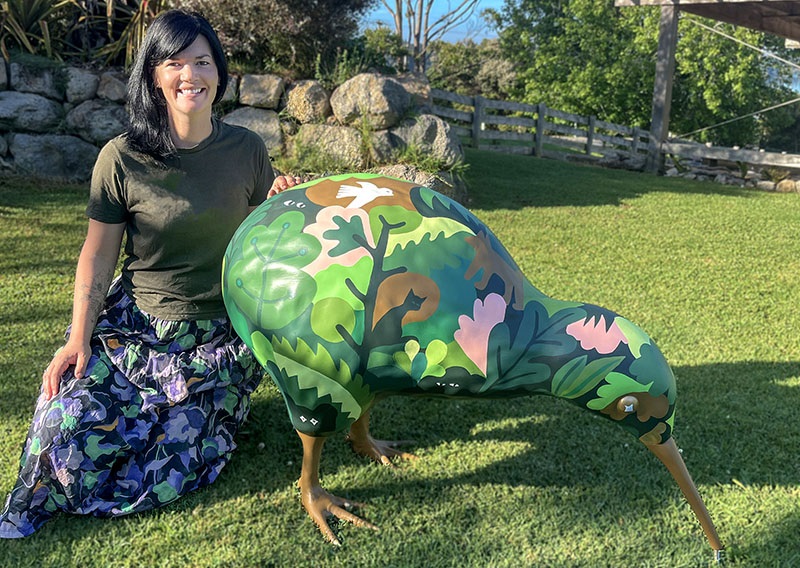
590 136
477 120
662 91
635 141
538 136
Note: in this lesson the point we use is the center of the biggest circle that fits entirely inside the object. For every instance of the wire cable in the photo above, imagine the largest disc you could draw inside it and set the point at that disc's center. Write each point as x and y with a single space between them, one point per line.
762 52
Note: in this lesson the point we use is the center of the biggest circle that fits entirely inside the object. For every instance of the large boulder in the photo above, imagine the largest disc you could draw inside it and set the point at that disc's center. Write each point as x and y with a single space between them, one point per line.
428 134
417 85
113 87
433 137
443 182
307 101
53 156
262 91
381 101
786 186
97 121
82 84
28 112
231 94
263 122
39 80
340 143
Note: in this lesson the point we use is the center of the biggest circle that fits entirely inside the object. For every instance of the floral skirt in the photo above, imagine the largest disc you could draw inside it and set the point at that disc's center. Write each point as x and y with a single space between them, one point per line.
153 418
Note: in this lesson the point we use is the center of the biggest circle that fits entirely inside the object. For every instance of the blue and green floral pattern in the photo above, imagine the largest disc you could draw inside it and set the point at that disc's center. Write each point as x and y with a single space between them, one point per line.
153 418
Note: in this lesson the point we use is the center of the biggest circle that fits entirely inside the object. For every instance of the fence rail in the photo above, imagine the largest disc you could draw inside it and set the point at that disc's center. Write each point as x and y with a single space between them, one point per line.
535 129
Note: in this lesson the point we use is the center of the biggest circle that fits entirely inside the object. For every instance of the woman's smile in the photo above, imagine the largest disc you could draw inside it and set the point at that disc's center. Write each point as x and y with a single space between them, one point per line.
189 80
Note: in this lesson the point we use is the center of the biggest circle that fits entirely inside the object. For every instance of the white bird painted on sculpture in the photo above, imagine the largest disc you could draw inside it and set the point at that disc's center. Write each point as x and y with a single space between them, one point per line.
363 195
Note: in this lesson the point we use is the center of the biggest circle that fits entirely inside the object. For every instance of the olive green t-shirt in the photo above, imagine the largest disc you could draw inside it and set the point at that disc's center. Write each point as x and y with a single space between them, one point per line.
179 216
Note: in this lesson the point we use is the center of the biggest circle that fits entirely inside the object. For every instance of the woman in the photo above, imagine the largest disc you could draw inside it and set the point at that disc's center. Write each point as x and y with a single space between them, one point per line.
142 403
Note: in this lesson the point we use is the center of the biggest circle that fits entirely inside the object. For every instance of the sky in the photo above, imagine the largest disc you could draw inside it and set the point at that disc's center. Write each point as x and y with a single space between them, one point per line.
474 29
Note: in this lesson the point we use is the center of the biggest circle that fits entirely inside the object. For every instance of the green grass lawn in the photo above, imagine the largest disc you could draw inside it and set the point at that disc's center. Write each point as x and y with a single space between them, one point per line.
711 272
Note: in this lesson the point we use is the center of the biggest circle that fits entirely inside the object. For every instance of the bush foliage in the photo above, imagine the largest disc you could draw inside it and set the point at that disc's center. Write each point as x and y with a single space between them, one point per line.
106 31
280 35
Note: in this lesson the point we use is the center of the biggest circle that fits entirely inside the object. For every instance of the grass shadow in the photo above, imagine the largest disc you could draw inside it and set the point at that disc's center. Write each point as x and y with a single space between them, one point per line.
562 447
539 182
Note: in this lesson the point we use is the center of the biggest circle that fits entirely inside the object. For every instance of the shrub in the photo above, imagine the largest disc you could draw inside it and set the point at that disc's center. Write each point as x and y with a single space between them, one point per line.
108 30
276 35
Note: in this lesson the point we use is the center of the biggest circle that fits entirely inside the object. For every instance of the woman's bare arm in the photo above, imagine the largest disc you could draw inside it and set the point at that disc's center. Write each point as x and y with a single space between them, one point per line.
96 265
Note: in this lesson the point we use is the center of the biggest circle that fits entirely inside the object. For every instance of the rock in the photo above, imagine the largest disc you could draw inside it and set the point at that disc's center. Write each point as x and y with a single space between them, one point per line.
6 166
262 91
81 85
3 146
385 146
231 94
341 143
37 80
28 112
786 186
263 122
307 101
764 185
3 75
433 137
419 88
381 101
289 128
97 121
53 156
113 87
443 182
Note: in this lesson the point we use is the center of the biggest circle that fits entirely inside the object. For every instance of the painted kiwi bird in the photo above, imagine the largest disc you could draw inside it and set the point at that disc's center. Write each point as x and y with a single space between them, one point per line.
355 287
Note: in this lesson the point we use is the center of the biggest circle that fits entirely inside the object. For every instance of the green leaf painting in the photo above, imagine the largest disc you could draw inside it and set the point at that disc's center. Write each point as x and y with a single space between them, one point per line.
576 378
617 385
271 285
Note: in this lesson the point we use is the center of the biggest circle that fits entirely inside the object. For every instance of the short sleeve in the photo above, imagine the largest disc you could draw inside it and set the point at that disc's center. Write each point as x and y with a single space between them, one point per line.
264 175
106 192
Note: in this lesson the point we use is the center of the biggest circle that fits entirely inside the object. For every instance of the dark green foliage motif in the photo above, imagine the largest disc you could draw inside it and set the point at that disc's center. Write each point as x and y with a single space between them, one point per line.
357 286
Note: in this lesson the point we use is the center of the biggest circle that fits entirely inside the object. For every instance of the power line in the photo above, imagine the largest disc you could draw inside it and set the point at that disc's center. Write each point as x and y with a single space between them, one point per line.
744 43
773 107
762 52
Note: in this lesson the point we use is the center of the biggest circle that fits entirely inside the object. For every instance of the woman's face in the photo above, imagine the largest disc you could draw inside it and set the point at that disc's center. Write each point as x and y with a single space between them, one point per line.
189 80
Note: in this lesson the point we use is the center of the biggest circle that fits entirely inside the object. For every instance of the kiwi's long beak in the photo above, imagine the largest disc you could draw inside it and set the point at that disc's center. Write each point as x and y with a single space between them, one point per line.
670 456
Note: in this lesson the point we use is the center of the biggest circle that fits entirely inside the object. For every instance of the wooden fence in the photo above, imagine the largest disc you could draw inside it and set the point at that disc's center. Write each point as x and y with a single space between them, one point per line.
534 129
541 131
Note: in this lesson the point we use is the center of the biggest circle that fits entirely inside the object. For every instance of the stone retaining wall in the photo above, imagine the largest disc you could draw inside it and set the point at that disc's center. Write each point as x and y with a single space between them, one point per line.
54 119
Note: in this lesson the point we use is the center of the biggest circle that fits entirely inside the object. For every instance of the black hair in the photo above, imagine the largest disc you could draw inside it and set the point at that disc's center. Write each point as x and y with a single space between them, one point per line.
170 33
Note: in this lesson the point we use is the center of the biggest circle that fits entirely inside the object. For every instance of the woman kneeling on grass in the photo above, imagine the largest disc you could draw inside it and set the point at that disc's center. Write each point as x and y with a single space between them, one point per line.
142 403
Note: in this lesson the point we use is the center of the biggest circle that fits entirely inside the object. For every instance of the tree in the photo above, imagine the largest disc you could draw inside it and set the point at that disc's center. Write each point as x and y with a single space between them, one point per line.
413 23
588 57
470 69
282 35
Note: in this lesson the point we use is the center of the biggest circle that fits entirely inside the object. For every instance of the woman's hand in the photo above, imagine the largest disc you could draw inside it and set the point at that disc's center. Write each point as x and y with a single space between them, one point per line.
283 183
92 279
70 354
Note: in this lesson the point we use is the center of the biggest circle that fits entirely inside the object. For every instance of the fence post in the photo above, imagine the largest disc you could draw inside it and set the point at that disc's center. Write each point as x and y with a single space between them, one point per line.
635 141
477 120
590 136
538 136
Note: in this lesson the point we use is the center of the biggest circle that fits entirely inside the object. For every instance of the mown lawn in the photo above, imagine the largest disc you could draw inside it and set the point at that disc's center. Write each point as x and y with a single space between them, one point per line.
712 273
